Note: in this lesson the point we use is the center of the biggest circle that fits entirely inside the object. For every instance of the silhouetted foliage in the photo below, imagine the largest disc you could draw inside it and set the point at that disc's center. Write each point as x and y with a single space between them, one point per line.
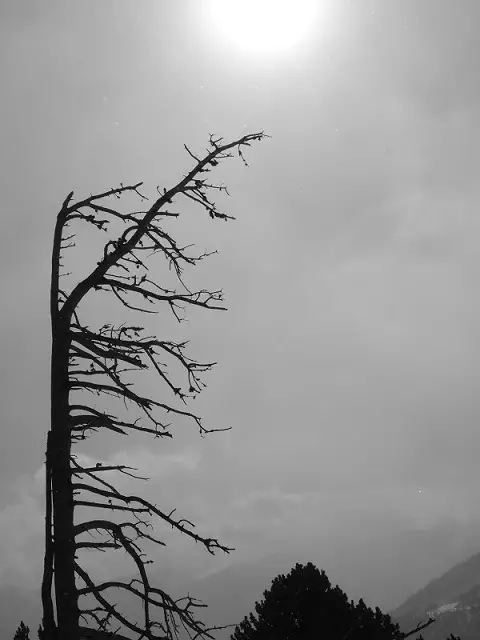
303 605
22 632
94 366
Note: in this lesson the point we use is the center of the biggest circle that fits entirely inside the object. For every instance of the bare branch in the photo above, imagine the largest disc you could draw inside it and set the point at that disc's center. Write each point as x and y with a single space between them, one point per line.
100 196
211 159
420 627
118 467
210 543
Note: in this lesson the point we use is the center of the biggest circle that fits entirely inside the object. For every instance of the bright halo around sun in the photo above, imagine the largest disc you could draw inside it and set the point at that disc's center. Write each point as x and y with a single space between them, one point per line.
263 26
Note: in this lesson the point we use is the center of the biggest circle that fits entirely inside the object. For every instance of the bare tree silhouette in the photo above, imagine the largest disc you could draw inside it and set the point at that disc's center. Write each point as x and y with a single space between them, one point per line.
98 363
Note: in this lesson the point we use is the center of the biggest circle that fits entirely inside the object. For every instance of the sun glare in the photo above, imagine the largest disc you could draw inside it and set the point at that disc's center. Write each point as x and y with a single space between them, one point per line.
263 26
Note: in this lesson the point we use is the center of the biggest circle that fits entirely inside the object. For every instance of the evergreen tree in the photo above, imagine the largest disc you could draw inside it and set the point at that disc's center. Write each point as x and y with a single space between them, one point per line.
22 632
303 605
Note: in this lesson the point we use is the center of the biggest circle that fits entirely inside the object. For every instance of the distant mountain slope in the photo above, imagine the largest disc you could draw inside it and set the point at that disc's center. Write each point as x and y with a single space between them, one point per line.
458 580
380 569
453 600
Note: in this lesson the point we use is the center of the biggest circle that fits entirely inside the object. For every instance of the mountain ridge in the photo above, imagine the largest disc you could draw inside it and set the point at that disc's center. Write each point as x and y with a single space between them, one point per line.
453 599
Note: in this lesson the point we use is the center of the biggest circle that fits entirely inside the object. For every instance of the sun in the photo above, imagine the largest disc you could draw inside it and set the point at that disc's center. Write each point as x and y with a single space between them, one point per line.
263 26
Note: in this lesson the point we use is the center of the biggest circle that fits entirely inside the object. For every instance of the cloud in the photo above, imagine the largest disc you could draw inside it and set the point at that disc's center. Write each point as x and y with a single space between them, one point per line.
158 464
22 519
21 534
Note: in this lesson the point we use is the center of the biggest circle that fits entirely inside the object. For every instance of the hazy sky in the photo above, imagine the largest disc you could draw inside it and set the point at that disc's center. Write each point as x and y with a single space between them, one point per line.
348 358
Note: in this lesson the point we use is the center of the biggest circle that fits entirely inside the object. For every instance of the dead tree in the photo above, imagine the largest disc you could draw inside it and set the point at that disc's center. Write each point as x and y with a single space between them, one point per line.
86 361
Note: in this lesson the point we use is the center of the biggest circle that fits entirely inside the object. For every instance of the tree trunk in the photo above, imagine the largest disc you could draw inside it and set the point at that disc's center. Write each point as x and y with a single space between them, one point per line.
48 619
66 597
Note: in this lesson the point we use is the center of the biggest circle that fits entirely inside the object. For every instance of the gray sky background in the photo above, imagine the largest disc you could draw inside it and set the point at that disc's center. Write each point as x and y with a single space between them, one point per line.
348 358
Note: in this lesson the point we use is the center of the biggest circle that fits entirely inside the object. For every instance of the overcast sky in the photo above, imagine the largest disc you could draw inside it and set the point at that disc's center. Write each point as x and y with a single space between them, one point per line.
348 360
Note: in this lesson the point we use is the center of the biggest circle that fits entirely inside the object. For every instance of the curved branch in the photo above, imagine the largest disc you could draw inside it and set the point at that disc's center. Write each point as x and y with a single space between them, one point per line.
420 627
209 543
